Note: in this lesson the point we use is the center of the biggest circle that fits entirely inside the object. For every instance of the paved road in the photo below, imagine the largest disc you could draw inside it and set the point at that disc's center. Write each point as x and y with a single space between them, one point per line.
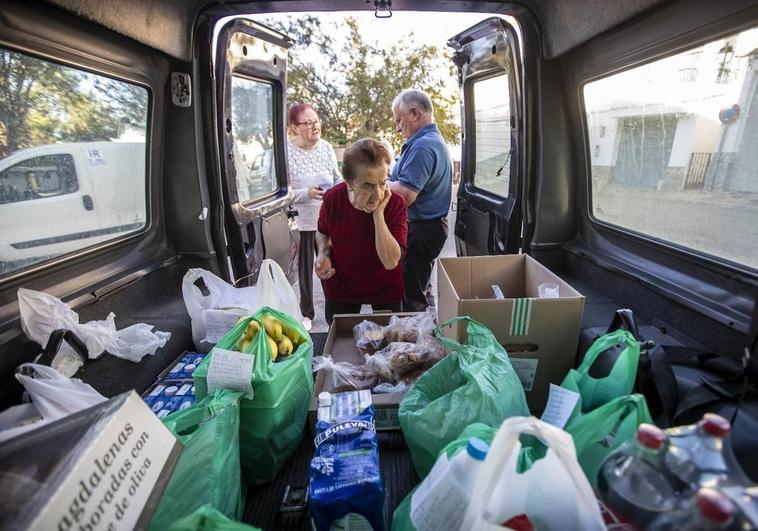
319 323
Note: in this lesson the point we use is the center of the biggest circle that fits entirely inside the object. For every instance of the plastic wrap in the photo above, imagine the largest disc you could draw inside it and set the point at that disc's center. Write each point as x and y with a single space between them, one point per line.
369 337
409 364
41 314
341 376
386 388
410 329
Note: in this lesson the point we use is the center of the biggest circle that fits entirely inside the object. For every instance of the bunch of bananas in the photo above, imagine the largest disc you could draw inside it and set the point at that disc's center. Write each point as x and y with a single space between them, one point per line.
282 339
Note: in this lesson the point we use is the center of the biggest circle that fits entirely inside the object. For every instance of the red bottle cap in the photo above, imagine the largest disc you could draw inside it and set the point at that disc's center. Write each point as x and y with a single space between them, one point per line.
650 436
714 506
715 425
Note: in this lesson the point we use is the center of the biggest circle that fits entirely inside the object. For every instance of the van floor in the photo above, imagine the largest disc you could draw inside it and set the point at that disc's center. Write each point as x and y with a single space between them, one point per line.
263 501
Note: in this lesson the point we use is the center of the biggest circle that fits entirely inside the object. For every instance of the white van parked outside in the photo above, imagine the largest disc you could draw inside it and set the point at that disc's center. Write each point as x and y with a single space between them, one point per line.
63 197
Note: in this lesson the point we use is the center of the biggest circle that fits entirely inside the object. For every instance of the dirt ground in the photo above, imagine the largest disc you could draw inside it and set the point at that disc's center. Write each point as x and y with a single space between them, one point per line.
718 223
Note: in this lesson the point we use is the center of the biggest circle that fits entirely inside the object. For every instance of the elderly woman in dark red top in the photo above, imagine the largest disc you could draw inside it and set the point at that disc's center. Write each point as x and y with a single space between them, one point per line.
362 233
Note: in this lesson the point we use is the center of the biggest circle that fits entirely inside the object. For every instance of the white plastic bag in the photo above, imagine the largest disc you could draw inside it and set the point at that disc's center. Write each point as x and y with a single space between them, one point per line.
42 313
275 291
217 312
53 397
554 493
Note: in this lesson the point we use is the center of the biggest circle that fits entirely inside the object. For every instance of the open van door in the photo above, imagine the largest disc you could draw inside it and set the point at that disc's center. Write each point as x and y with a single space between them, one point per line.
250 71
489 196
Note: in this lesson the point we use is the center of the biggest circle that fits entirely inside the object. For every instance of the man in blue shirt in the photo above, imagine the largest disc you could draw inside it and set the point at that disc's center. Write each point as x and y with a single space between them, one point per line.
423 175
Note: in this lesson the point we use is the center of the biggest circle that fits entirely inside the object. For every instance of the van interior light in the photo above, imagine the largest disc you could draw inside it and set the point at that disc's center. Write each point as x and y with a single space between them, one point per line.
383 8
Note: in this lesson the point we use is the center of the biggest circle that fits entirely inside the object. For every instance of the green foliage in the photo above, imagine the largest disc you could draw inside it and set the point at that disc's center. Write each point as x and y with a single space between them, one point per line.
251 102
42 102
354 82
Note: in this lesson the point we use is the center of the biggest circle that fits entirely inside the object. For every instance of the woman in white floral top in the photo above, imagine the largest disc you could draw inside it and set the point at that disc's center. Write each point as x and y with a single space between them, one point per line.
312 171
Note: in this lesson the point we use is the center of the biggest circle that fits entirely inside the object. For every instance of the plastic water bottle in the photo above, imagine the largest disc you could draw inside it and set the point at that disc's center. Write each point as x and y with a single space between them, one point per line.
633 480
441 500
466 465
709 510
700 454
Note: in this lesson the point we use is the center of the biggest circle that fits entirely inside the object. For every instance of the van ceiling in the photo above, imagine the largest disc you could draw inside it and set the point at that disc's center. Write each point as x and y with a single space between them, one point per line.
167 24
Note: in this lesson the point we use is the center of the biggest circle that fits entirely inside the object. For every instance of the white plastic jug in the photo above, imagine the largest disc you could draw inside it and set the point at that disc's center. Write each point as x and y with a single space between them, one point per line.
442 498
554 493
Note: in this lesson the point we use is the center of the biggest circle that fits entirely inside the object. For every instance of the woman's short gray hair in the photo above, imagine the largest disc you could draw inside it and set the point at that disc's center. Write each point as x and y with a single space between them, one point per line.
410 98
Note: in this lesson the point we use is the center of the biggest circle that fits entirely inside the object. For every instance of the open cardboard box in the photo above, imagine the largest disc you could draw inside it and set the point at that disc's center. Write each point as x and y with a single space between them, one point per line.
540 335
340 344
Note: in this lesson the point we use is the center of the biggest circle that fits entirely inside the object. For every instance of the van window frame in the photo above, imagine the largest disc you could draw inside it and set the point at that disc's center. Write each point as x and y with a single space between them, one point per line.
668 245
719 289
280 191
470 130
94 249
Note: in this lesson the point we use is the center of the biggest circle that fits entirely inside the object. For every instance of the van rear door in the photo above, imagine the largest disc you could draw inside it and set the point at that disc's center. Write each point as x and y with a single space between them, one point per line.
250 70
489 196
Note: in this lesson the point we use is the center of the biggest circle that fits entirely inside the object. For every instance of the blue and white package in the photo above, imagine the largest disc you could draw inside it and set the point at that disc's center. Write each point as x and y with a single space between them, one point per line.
344 474
167 398
184 367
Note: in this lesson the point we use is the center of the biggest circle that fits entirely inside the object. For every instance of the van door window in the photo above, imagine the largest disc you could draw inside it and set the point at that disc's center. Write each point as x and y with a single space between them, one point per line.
38 177
253 131
492 119
673 146
72 160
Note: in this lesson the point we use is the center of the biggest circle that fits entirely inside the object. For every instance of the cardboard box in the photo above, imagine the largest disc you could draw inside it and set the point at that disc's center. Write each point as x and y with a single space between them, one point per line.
540 335
103 468
340 344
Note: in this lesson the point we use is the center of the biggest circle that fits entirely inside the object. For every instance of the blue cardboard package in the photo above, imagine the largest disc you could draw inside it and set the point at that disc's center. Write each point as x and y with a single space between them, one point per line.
167 398
184 367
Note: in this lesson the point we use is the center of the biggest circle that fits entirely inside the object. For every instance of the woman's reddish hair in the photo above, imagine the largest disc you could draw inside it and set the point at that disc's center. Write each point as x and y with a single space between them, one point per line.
296 110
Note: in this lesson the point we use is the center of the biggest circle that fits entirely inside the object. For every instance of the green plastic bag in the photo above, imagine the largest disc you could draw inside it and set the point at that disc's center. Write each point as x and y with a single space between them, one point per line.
206 518
597 433
475 382
595 392
272 422
401 518
208 469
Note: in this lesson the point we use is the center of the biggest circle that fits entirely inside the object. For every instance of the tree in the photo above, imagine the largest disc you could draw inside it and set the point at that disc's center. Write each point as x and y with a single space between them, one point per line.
352 84
42 102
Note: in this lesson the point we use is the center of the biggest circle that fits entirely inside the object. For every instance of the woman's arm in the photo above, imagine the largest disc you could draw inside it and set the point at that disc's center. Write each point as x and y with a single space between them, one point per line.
323 263
387 248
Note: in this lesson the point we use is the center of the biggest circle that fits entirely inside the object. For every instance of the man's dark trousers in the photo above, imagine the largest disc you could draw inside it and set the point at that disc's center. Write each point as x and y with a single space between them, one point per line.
425 242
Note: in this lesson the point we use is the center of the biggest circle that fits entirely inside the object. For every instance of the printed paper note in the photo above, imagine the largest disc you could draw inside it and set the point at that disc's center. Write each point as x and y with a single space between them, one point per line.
230 370
560 405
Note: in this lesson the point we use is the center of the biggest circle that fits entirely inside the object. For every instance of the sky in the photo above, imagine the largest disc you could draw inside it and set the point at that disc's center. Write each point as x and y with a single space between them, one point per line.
428 28
432 29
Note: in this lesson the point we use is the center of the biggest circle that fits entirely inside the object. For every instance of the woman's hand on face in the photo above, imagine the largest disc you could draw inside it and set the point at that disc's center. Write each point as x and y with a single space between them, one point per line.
323 267
383 203
314 192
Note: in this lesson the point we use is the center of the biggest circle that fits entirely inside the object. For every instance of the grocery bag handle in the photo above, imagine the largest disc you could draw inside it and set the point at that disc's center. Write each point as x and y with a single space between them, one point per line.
54 342
450 343
505 445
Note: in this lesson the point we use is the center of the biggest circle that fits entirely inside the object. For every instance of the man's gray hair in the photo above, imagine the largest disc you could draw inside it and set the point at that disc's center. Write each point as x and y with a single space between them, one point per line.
410 98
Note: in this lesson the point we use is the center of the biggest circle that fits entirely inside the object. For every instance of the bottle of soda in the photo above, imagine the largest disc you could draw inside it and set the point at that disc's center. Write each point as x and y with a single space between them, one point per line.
701 455
633 480
709 510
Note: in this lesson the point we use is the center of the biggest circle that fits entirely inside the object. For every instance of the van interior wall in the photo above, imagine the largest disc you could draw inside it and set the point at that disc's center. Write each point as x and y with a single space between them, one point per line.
138 279
565 238
608 289
185 188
